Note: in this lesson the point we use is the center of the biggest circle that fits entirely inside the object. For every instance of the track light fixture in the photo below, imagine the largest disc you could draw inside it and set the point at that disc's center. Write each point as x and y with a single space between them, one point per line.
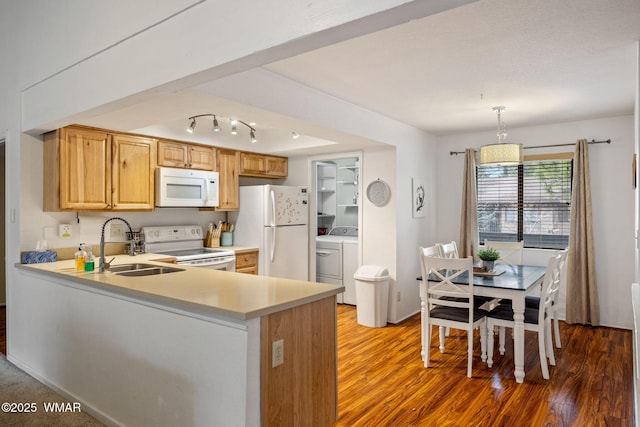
216 126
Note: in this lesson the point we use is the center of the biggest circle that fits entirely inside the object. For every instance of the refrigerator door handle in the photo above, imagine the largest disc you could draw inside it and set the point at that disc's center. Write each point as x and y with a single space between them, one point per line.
273 243
273 208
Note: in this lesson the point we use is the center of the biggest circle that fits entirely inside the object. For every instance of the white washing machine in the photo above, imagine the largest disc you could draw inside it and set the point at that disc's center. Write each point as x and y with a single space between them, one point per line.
337 260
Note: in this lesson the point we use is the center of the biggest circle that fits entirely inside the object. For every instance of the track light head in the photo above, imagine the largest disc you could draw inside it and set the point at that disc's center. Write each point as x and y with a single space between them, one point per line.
253 136
216 127
234 127
192 125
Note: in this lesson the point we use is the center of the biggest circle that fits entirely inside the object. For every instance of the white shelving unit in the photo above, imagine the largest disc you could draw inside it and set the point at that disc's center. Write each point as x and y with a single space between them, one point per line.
347 177
326 194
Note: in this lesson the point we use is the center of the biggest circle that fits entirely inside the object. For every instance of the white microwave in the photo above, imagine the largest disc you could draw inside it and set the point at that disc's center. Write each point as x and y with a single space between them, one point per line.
180 188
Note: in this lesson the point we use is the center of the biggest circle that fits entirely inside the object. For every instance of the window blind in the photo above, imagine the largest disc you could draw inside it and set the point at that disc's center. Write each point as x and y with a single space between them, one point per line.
529 202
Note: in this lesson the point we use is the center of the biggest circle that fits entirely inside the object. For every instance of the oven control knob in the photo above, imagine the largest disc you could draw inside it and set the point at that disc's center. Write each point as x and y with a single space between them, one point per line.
197 230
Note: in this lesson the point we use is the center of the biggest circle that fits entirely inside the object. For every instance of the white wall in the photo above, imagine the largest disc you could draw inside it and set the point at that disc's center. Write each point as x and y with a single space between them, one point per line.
611 190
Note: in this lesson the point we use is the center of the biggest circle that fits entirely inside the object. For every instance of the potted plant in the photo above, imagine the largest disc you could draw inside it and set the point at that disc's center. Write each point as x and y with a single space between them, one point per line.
488 257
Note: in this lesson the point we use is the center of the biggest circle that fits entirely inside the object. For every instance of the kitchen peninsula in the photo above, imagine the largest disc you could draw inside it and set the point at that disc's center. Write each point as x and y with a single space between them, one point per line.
192 347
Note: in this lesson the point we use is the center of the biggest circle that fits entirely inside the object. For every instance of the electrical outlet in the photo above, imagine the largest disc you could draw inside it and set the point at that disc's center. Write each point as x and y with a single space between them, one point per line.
277 353
64 231
117 230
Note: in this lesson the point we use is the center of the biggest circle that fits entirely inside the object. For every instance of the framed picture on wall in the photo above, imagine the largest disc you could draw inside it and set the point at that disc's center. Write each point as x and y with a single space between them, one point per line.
418 198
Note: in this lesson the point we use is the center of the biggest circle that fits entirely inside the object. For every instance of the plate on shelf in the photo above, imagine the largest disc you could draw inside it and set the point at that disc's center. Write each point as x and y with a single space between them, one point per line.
378 192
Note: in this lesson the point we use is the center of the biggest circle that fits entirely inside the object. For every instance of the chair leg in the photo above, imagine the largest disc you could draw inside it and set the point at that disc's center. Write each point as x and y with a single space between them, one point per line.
470 352
543 356
483 341
490 333
556 328
442 334
501 340
548 342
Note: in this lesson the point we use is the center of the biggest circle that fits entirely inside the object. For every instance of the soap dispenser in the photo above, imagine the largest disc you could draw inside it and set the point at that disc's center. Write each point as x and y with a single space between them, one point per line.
89 260
80 255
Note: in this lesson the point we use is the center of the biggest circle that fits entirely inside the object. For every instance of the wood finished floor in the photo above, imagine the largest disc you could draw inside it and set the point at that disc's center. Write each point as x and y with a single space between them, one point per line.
382 380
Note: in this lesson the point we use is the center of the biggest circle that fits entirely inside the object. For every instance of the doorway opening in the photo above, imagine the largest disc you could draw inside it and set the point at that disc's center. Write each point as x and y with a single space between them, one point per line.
335 249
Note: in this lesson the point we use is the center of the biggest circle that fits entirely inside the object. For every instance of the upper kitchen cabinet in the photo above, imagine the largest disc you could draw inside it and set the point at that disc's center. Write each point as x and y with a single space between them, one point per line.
91 170
229 170
263 166
177 154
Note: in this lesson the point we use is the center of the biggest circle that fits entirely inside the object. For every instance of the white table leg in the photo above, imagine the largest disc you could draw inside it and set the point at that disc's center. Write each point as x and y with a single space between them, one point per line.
518 337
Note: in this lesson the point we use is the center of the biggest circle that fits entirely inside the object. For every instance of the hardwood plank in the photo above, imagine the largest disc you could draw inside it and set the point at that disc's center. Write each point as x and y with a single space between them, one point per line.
382 380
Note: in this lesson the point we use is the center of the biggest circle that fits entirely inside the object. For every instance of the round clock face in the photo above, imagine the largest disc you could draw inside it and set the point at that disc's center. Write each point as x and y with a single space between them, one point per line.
378 192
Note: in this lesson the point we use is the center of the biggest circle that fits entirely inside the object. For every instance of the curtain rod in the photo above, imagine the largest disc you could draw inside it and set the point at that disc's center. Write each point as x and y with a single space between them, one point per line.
593 141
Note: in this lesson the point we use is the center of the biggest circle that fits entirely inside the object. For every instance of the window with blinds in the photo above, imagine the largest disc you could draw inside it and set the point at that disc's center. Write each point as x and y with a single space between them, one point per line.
529 202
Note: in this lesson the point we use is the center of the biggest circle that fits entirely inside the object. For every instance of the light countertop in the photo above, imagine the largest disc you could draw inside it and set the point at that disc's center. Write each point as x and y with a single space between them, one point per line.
199 290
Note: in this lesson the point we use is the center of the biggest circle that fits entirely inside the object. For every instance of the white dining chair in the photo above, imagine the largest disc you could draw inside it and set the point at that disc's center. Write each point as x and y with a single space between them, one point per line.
535 319
448 250
534 301
430 250
510 252
449 304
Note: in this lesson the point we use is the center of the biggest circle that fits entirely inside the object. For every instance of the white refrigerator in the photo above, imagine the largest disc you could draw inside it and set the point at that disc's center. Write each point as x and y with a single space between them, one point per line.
275 219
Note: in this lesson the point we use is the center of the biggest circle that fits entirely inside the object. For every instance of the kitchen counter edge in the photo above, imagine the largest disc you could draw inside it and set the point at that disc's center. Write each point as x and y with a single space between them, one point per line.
248 292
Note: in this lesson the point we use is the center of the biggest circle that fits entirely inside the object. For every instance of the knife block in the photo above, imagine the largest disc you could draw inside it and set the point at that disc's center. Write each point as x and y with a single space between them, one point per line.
211 242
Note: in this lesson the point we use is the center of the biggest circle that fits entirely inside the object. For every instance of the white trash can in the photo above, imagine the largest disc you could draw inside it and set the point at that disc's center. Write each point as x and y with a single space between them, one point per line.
372 295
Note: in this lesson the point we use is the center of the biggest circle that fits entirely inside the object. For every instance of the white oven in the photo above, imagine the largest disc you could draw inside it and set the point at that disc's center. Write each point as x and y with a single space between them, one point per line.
185 244
217 262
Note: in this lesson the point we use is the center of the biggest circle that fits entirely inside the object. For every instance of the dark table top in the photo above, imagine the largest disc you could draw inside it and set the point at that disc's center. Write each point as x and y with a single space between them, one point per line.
513 277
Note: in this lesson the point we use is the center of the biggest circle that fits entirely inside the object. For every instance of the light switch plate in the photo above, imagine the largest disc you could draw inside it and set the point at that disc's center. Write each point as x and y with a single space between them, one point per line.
64 231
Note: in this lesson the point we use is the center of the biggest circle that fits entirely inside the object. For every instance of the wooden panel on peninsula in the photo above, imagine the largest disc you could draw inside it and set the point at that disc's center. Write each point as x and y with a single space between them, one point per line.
303 390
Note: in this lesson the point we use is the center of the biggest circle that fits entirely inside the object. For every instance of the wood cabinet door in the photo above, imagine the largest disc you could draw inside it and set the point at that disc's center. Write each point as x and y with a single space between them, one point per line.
252 164
172 154
276 166
229 168
201 157
84 169
134 162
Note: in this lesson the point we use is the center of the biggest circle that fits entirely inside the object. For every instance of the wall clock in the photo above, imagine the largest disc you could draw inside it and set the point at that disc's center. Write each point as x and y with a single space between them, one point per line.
378 192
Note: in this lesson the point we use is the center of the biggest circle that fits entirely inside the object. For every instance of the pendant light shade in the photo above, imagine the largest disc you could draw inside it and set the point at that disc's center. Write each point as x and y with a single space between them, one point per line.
501 154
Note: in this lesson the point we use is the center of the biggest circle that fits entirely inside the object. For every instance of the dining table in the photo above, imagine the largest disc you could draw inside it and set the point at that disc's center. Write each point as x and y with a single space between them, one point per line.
507 281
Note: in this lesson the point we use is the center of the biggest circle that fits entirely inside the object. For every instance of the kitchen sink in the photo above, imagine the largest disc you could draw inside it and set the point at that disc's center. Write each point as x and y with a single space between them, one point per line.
141 269
128 267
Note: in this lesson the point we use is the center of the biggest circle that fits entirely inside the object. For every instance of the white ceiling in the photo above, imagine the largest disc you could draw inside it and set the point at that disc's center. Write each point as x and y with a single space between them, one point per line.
547 61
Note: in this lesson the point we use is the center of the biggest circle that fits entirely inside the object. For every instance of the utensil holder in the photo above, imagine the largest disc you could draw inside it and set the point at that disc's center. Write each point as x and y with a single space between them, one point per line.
226 239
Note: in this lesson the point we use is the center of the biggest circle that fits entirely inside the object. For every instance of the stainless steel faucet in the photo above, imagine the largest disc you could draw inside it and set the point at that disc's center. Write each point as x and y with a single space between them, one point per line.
132 250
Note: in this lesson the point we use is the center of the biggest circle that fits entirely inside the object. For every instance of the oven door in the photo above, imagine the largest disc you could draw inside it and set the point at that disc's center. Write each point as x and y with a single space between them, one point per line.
226 263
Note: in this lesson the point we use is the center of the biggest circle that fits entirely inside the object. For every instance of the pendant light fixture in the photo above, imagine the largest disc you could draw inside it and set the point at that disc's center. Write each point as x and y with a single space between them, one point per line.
216 126
502 153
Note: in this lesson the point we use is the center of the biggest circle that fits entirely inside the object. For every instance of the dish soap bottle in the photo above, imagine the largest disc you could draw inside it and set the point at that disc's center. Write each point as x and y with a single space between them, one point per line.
89 260
80 258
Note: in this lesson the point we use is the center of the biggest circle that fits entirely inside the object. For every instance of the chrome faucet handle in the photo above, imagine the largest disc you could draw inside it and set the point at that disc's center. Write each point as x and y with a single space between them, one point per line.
107 264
